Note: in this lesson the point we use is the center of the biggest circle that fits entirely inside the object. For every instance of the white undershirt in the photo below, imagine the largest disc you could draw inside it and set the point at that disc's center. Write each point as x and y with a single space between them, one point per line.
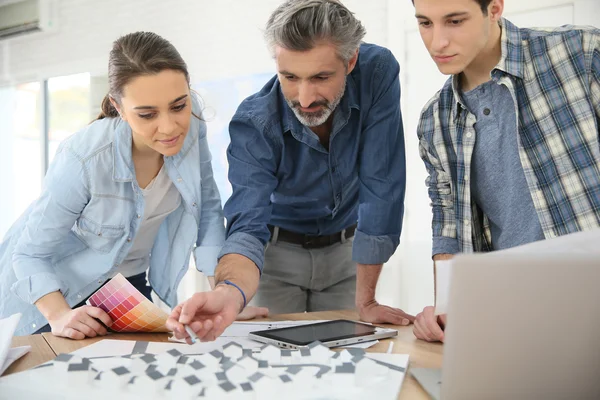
161 198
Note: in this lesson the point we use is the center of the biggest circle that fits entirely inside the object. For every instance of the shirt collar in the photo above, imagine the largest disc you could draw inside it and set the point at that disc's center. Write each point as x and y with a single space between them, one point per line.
511 61
123 170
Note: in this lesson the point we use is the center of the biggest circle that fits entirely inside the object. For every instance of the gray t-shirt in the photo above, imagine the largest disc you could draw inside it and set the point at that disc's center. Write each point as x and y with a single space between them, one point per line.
161 198
498 184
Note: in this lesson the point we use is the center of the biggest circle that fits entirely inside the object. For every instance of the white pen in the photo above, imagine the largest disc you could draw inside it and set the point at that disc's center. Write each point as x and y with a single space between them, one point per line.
192 334
390 347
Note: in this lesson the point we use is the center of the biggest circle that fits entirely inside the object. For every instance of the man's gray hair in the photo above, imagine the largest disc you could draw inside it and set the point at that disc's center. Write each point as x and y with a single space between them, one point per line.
300 24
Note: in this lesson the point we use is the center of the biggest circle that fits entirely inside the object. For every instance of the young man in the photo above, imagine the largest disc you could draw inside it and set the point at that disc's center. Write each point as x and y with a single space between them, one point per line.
317 166
511 142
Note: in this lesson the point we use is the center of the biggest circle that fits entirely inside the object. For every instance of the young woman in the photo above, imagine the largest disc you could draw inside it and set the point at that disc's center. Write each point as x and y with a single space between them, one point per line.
131 193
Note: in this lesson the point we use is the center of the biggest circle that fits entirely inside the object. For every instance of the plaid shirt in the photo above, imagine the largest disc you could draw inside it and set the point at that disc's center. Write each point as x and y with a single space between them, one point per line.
554 79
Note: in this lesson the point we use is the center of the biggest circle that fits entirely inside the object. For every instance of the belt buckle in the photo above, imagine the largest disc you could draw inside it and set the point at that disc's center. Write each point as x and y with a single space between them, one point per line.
309 241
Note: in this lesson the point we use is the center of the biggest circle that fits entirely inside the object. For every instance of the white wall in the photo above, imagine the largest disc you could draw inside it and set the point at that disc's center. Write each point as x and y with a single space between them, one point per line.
217 38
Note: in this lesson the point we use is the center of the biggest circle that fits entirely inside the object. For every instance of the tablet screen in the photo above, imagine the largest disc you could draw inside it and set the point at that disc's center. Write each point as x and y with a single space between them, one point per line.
322 331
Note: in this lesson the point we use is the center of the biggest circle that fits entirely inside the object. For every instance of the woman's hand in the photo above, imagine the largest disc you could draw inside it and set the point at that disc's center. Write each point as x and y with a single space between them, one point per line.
80 323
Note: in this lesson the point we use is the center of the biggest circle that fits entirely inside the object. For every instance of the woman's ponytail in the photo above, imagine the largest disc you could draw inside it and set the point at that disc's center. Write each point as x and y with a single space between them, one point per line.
107 110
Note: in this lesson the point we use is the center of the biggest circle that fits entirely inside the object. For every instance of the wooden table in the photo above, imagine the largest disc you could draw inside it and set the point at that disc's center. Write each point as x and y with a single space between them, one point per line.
40 353
63 345
422 354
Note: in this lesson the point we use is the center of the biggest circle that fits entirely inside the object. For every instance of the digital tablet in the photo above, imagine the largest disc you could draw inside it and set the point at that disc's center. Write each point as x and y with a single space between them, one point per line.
330 333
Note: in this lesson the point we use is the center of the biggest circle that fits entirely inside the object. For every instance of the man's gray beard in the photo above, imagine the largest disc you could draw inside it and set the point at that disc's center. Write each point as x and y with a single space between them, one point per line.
317 118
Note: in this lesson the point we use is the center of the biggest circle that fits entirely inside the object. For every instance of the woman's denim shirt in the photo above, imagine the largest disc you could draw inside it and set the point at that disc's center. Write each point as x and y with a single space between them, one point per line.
75 236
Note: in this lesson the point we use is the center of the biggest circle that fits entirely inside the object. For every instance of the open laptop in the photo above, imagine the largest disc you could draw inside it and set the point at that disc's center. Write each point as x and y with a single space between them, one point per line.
521 326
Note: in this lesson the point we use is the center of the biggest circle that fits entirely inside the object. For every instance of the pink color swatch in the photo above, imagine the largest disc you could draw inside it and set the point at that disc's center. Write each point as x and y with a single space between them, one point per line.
130 310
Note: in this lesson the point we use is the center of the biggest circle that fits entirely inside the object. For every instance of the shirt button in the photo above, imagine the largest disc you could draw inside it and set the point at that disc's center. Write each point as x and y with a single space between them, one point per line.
139 216
99 233
467 222
33 325
129 239
79 296
179 179
466 177
100 281
193 204
469 134
486 111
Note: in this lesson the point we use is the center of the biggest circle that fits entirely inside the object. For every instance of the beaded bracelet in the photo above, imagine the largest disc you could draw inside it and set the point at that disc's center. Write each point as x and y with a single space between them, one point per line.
227 282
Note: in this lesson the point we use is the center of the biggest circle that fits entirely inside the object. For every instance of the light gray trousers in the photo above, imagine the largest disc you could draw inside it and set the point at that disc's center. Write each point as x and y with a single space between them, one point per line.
296 279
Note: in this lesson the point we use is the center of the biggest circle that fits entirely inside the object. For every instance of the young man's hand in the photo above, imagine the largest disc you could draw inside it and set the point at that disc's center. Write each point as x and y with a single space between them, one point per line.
428 326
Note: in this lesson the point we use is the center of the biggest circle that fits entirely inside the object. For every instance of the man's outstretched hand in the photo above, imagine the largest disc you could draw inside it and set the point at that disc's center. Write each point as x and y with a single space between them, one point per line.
206 313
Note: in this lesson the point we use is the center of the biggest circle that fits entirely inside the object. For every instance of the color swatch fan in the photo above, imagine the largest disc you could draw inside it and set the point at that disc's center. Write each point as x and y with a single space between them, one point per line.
130 310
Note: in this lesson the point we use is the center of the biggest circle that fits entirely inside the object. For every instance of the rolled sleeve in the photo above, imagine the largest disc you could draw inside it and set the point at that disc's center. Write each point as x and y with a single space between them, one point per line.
444 245
247 246
33 287
439 183
206 259
211 229
382 171
368 249
253 160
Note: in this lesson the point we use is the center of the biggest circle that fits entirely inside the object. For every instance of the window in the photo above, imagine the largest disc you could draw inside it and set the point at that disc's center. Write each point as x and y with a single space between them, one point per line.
69 108
220 99
21 152
25 145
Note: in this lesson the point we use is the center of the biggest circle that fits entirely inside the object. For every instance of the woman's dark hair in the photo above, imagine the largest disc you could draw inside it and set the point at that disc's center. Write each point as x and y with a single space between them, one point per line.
137 54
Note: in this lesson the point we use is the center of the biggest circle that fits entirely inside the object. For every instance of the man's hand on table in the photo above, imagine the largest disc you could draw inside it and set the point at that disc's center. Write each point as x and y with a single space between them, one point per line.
377 313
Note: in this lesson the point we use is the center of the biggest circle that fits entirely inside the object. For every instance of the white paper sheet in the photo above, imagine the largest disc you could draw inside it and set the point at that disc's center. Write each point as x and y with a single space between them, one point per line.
238 332
204 347
13 355
364 375
7 330
107 348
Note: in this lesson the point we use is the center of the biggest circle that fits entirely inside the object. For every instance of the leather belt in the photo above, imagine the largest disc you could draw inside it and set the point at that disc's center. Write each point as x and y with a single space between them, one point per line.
313 242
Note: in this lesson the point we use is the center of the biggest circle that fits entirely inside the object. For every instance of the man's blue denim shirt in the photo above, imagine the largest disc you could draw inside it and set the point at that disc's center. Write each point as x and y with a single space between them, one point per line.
282 175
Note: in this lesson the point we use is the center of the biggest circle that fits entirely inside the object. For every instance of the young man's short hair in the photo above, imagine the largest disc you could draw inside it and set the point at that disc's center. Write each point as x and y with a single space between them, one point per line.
482 3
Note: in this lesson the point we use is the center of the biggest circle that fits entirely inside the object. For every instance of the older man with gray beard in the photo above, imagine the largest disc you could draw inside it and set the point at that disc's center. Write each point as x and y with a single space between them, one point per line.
317 166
